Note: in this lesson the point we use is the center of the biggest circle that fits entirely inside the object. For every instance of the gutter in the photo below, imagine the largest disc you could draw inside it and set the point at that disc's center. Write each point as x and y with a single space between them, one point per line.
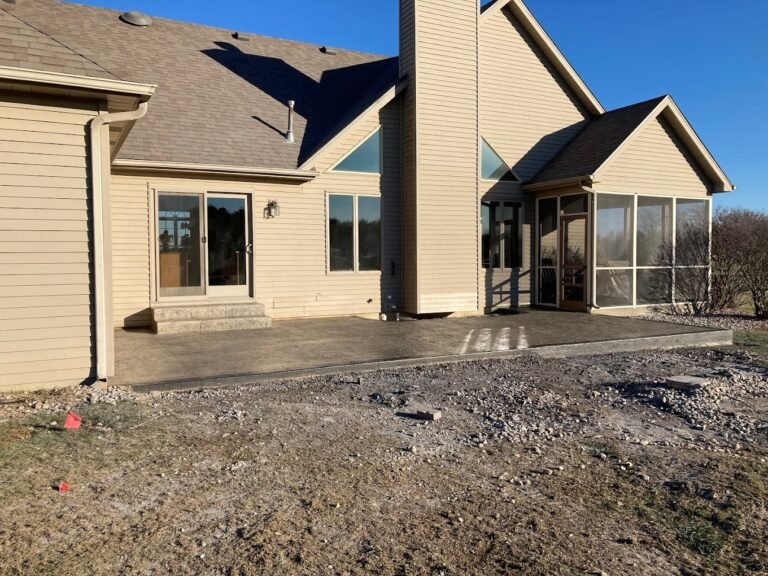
97 179
89 83
583 181
151 166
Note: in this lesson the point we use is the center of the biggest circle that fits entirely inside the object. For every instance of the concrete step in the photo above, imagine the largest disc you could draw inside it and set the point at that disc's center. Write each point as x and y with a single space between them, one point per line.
207 312
212 325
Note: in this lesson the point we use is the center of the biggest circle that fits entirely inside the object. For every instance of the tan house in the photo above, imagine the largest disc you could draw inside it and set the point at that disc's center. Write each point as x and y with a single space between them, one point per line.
158 173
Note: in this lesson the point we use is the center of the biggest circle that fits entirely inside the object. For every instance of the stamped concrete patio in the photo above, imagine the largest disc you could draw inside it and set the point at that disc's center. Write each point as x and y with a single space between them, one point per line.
303 347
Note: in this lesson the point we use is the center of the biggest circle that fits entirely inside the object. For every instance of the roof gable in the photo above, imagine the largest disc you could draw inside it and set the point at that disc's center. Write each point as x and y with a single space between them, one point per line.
548 47
587 157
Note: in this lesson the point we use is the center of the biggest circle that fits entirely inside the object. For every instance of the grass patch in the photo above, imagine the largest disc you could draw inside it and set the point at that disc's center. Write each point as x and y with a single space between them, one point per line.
21 436
753 341
703 527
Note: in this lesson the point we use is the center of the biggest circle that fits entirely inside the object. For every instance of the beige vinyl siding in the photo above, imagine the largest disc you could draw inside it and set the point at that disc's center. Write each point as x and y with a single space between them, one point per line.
527 111
409 215
440 42
46 322
130 252
290 252
654 162
509 288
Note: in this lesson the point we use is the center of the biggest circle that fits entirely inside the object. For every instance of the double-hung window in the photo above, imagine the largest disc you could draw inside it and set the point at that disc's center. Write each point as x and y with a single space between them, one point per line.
502 235
354 233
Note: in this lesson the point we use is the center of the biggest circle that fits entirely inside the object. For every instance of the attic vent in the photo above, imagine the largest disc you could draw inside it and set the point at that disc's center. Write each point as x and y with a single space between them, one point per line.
328 50
136 18
242 37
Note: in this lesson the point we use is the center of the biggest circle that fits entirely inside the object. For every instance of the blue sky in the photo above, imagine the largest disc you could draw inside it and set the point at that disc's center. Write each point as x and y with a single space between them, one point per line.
711 56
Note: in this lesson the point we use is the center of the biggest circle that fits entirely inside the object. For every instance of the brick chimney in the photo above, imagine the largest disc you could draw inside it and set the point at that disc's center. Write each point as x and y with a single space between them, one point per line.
439 54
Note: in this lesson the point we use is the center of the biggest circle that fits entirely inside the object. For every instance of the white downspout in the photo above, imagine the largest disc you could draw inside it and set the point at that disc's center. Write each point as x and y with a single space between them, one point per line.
98 228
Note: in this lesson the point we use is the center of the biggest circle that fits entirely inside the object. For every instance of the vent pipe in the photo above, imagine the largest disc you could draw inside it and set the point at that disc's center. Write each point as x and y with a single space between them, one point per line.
289 135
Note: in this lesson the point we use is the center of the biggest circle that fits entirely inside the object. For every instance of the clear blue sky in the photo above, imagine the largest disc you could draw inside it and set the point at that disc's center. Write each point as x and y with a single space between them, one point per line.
710 55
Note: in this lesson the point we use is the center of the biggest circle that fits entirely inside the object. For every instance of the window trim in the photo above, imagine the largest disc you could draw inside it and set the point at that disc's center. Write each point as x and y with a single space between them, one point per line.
519 204
380 129
355 235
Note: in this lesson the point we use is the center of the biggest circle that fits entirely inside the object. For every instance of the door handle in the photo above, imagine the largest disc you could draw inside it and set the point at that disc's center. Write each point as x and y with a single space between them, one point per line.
249 249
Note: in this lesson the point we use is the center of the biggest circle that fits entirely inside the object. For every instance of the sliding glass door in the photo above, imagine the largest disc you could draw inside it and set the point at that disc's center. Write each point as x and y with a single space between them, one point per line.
203 245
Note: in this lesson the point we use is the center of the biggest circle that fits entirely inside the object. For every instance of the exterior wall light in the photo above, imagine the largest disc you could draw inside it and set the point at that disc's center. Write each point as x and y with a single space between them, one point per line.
272 210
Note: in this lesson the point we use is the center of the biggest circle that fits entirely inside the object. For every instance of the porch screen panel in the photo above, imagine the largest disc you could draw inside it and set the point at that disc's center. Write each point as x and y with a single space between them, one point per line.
654 250
615 250
692 236
692 250
548 240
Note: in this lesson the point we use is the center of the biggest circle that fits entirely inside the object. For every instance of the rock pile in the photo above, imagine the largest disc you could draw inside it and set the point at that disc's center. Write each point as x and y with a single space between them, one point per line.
520 411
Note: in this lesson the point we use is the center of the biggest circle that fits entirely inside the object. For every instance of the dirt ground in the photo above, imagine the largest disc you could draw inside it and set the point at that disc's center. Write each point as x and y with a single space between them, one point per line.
594 465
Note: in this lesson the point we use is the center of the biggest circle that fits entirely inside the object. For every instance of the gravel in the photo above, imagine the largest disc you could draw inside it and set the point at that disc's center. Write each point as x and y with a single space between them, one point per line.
723 321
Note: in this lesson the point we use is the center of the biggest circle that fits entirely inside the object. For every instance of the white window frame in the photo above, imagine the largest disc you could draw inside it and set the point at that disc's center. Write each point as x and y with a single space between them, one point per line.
355 234
362 141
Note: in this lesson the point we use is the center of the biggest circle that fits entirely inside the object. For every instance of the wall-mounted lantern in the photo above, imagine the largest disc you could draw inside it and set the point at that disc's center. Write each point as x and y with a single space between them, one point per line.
272 210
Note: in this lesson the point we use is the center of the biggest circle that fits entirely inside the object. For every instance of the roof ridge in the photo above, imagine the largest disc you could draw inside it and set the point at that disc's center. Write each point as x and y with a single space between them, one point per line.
656 101
229 31
60 43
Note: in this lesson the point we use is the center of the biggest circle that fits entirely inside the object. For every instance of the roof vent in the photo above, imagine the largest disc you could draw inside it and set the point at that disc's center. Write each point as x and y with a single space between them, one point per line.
136 18
328 50
242 37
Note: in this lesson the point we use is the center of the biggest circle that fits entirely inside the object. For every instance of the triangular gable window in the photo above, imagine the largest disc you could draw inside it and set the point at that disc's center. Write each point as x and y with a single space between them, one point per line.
365 158
493 167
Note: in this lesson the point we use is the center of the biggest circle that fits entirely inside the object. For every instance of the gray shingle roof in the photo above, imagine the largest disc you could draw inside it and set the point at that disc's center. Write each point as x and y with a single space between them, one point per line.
219 100
22 46
595 143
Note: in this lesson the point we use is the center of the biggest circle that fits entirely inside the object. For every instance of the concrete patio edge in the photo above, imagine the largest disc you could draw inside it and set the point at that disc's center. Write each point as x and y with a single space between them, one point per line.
667 342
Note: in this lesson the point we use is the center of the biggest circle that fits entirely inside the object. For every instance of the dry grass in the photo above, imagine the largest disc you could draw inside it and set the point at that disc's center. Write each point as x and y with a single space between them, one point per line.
314 478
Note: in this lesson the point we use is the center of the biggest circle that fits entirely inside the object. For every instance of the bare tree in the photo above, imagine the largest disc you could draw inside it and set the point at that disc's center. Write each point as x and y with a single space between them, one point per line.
747 244
726 286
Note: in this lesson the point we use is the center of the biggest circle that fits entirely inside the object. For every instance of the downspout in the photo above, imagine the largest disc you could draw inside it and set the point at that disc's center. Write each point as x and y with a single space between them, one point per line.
98 228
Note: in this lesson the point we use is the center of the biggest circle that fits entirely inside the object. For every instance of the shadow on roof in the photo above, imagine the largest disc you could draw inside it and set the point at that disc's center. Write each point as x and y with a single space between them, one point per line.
327 105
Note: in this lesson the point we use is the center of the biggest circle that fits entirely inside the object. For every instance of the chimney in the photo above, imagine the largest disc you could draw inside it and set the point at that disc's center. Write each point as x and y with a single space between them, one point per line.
440 147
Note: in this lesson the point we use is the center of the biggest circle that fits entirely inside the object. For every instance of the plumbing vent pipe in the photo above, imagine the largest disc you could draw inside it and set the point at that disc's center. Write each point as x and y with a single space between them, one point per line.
289 135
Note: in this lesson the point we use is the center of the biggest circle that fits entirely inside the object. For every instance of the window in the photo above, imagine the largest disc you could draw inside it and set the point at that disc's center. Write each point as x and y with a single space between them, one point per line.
492 166
354 233
365 158
501 235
